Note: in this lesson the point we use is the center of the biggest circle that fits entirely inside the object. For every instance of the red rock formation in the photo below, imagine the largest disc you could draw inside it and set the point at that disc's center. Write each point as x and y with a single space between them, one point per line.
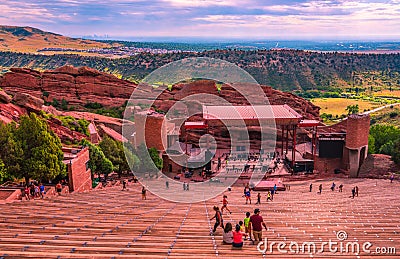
28 101
64 133
4 97
378 166
82 85
10 112
77 86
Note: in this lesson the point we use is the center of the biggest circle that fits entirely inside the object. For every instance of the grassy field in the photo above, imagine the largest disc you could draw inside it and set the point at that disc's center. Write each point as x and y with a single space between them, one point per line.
387 93
337 106
389 116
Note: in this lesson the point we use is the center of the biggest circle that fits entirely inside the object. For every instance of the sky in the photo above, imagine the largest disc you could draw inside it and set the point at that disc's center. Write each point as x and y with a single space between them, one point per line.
214 19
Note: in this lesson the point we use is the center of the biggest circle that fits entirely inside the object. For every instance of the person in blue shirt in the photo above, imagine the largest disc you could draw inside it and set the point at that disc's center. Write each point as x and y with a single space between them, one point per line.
42 191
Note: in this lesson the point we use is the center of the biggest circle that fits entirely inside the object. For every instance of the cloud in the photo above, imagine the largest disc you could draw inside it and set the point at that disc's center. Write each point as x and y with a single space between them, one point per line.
205 3
223 18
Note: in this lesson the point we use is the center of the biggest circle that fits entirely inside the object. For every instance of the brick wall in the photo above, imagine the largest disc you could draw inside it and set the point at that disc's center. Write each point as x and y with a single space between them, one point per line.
152 130
357 131
174 166
79 177
327 164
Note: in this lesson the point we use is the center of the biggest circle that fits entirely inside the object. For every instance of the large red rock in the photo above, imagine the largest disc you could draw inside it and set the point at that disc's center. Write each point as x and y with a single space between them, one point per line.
4 97
69 70
28 101
83 85
10 112
77 86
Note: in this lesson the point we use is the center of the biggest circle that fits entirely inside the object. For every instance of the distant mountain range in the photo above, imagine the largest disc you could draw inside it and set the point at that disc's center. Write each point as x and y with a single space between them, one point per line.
29 40
33 40
340 46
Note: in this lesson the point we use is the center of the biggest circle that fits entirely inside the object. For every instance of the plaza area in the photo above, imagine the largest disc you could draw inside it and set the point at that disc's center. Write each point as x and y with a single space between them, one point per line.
111 223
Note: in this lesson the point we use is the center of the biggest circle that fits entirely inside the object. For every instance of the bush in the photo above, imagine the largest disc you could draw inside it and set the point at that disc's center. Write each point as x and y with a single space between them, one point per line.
331 95
64 104
94 105
80 125
393 114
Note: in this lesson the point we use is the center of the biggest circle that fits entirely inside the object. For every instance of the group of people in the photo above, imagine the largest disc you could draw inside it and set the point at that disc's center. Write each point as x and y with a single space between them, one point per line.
250 224
37 190
270 194
354 191
34 190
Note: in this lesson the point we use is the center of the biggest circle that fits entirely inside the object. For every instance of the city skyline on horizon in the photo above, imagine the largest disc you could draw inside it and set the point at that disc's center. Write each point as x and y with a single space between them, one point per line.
212 20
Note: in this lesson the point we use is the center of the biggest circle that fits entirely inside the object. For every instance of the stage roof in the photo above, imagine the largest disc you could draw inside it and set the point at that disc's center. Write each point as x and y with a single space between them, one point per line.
195 125
309 123
257 112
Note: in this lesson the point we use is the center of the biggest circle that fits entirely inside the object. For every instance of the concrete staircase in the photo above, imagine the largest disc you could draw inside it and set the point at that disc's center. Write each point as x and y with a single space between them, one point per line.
111 223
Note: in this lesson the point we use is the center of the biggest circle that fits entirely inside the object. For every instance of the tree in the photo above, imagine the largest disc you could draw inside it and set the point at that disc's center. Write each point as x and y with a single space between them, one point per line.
158 161
133 161
387 148
10 151
386 140
98 162
371 144
146 160
129 158
4 175
396 151
64 104
41 150
114 151
384 134
352 109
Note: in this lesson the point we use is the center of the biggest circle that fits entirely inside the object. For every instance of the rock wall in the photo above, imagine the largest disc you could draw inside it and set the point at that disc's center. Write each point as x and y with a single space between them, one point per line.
76 85
82 85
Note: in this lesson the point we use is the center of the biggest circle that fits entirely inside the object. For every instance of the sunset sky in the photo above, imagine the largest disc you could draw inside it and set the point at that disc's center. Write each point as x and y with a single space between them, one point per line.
243 19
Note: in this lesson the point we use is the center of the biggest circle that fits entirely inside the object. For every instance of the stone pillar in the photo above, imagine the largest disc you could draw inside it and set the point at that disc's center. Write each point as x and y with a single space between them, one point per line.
151 130
357 141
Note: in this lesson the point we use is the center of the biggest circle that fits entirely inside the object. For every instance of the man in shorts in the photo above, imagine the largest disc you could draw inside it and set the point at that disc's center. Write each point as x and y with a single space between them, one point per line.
225 204
247 193
256 223
59 188
42 190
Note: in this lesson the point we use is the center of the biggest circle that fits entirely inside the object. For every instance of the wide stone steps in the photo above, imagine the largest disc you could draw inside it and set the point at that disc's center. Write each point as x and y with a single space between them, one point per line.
111 223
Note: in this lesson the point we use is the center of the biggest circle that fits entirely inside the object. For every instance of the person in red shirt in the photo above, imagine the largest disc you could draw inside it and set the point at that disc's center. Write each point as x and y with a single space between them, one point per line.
238 237
225 205
256 223
218 219
26 192
59 188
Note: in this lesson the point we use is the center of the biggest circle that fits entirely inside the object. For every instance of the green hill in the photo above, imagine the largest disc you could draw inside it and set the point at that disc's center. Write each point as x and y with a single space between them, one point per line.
286 70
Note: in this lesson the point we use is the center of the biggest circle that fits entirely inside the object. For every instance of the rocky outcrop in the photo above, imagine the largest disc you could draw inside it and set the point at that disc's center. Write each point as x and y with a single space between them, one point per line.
78 86
228 93
10 112
65 134
378 166
4 97
28 101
